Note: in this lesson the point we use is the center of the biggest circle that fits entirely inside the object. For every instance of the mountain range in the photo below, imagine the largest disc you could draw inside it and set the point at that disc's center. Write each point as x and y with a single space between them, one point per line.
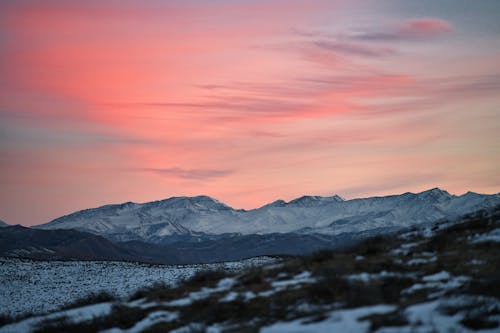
181 218
201 229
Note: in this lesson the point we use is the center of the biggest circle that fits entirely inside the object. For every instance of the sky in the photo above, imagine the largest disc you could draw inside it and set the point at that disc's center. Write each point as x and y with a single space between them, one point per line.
245 101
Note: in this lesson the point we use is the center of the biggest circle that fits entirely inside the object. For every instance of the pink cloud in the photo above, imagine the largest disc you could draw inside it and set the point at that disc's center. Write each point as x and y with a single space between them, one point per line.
424 28
355 49
412 29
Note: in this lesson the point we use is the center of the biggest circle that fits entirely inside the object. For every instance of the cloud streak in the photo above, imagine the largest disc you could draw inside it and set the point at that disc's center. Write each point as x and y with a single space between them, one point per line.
409 30
356 49
190 174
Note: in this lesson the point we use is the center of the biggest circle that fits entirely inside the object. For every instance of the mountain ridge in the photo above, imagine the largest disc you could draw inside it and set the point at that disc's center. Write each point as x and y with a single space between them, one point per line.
203 216
23 242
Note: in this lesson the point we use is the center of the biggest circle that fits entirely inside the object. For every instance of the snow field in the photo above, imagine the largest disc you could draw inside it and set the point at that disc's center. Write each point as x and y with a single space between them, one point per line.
28 286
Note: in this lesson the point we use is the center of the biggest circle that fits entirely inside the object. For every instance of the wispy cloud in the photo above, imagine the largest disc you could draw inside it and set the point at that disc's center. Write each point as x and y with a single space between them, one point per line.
191 174
356 49
412 29
322 95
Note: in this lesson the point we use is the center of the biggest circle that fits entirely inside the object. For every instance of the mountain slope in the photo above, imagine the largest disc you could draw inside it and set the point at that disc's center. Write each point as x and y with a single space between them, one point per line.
181 218
18 241
60 244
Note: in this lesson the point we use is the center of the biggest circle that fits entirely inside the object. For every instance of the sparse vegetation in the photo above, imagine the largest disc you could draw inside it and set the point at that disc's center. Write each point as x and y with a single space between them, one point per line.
396 318
6 319
94 298
157 292
121 316
206 278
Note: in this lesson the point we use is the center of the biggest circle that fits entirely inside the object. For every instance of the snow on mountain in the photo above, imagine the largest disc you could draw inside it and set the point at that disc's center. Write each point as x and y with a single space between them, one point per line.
314 201
3 224
202 215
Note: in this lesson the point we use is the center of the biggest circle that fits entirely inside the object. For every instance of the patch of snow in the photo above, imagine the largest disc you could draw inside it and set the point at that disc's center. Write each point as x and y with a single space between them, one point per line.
73 315
477 262
142 303
492 236
442 282
367 277
222 285
345 321
230 297
443 275
192 327
304 277
249 295
225 283
408 246
421 261
404 249
152 319
295 282
309 308
267 293
409 235
427 317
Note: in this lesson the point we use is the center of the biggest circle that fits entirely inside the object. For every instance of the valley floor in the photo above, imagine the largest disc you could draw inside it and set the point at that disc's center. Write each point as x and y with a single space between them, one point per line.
28 286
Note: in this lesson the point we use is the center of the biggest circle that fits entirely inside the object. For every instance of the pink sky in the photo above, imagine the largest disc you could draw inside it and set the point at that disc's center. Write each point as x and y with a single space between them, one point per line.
246 101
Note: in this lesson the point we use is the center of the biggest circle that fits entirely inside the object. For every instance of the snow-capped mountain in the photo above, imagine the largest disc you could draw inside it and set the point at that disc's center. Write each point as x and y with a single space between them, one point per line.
3 224
180 217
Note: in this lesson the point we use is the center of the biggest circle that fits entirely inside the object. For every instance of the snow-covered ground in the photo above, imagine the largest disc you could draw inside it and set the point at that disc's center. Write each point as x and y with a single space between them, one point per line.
346 321
492 236
28 286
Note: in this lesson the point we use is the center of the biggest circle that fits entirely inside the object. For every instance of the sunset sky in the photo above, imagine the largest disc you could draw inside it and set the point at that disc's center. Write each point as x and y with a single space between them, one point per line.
246 101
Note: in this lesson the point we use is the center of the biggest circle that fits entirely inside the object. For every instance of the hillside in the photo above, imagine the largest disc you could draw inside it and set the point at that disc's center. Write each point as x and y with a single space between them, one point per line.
19 241
69 244
438 278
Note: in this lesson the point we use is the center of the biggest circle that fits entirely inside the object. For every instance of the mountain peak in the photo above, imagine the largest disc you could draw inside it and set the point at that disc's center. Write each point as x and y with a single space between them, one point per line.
435 190
435 194
204 198
197 202
336 197
470 193
305 200
277 203
314 200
